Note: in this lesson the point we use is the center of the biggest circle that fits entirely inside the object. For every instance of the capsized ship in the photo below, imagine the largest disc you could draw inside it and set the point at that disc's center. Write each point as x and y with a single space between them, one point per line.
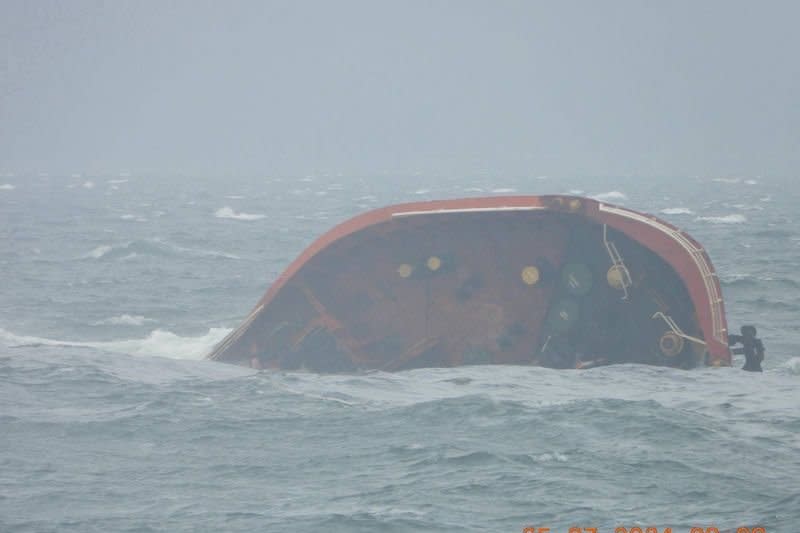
555 281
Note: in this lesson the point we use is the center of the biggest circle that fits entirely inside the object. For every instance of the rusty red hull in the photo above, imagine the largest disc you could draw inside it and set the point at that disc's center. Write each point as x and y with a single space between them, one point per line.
557 281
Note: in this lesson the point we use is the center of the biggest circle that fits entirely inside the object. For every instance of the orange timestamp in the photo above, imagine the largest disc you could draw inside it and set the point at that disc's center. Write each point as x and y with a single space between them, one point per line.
622 529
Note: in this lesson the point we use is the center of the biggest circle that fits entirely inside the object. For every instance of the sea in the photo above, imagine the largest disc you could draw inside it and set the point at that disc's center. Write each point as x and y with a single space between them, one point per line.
114 287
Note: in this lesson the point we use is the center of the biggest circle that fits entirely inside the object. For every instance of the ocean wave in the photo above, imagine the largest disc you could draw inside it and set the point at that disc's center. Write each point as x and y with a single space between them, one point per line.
726 180
227 212
747 207
88 185
746 280
123 320
503 190
726 219
99 252
611 195
159 343
676 211
7 187
149 247
793 365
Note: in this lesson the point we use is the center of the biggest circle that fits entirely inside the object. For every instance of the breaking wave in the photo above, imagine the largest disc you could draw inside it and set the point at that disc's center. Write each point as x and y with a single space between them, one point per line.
793 365
124 320
611 195
676 211
149 247
159 343
727 219
7 187
227 212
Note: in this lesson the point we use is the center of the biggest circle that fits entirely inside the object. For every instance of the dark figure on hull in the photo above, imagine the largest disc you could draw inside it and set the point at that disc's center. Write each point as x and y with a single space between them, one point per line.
752 348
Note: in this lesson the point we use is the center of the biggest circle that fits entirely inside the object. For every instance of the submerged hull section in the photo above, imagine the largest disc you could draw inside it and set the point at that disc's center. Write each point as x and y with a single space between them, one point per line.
562 282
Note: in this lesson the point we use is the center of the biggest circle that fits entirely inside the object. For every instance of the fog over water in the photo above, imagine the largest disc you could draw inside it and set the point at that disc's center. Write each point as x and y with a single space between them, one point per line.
161 163
376 88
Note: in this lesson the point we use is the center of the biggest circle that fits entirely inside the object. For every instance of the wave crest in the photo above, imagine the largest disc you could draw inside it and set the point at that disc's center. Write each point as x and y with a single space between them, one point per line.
227 212
726 219
159 343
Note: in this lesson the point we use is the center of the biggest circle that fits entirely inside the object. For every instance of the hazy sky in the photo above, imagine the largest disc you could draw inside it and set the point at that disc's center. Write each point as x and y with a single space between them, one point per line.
556 88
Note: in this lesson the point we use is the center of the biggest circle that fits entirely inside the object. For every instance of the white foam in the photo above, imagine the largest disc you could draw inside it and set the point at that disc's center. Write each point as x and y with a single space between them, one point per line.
549 457
88 185
726 180
117 181
676 211
751 182
727 219
503 190
748 207
158 343
7 187
123 320
227 212
422 191
127 217
235 197
99 252
611 195
793 365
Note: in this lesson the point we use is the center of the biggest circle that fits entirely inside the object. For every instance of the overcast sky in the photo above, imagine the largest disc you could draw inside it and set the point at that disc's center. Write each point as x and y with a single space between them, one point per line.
555 88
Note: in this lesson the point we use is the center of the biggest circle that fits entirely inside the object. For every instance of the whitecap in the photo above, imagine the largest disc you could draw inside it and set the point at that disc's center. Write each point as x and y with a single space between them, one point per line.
793 365
7 187
227 212
727 219
751 182
676 211
99 252
726 180
611 195
117 182
159 343
235 197
748 207
88 185
555 456
422 191
503 190
127 217
123 320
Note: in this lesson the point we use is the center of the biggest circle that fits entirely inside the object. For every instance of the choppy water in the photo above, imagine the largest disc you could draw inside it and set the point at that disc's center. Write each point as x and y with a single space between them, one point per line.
114 287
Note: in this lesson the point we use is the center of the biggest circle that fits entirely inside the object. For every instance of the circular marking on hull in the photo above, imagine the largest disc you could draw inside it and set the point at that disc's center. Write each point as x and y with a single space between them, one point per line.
433 263
530 275
614 277
405 270
671 344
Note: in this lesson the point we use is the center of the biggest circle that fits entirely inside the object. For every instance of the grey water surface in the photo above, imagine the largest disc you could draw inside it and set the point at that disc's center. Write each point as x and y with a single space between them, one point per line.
114 287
